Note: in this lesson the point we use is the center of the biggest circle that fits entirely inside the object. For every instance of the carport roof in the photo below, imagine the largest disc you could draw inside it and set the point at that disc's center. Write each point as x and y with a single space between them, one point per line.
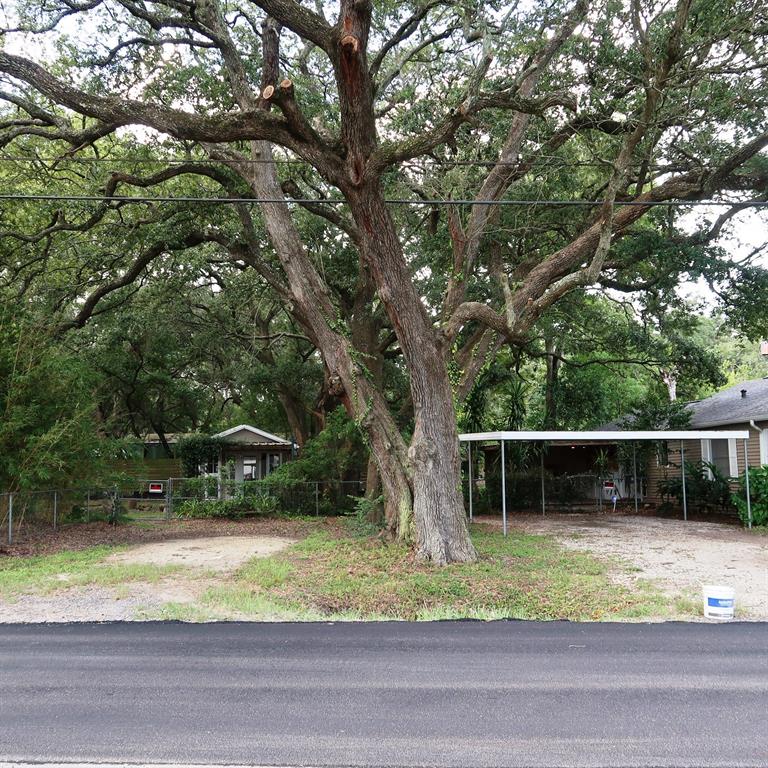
607 436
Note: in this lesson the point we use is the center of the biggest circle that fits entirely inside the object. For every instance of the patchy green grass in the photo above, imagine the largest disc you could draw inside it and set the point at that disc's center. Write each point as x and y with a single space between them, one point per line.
339 572
329 576
86 567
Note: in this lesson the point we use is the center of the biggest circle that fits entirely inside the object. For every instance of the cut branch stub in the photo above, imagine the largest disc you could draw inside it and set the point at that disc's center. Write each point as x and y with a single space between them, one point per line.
268 92
350 41
286 87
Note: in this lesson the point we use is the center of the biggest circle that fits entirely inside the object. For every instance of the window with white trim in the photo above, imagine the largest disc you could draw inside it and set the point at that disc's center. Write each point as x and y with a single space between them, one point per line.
764 446
721 454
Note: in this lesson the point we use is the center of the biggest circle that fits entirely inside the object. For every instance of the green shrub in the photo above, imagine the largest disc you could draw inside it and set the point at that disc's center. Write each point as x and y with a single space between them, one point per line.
262 503
204 487
701 490
758 496
234 508
197 450
197 508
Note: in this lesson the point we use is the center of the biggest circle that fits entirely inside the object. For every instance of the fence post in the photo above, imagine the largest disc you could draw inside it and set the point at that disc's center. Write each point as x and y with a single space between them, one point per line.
10 518
88 506
169 499
55 510
317 499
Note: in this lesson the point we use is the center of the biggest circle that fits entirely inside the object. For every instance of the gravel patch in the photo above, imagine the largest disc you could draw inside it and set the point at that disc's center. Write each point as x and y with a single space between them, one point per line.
678 557
100 603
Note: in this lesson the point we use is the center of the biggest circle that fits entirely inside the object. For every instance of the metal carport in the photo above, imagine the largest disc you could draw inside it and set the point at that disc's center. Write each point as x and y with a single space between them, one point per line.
603 436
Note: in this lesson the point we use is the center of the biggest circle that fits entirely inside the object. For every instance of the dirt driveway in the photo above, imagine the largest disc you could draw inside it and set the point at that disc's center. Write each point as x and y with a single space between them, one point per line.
200 562
214 553
679 557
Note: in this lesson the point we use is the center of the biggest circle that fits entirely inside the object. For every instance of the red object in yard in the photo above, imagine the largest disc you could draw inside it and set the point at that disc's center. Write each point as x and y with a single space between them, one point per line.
155 487
609 484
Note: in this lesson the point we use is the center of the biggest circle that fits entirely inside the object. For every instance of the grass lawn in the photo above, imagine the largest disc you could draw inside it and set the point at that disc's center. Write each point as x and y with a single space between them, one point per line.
337 572
360 577
46 574
355 577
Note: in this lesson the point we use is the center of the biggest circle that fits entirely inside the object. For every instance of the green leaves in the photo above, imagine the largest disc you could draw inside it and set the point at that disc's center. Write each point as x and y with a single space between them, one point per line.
49 433
758 494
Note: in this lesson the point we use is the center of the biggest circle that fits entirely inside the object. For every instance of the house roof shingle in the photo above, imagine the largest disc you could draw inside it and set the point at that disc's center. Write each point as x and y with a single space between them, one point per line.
729 407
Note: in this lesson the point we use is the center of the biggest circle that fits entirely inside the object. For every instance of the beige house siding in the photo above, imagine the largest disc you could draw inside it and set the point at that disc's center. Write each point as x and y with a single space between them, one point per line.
693 453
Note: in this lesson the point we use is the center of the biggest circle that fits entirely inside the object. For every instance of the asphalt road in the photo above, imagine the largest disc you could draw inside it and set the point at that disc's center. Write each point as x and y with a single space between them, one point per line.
390 694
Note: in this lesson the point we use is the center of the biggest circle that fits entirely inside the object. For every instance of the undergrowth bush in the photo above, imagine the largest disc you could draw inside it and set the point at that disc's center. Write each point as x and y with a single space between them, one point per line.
701 491
210 508
245 503
758 496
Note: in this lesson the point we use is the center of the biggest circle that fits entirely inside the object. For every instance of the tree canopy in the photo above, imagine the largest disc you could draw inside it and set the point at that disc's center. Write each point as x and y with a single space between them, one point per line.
417 186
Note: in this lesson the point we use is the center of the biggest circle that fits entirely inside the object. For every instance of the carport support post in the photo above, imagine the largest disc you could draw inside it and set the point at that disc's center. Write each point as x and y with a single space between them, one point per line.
634 470
503 489
682 469
543 502
746 483
469 461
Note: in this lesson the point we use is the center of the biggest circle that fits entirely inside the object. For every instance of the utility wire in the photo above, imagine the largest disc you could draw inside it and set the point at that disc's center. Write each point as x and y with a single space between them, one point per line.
419 162
391 201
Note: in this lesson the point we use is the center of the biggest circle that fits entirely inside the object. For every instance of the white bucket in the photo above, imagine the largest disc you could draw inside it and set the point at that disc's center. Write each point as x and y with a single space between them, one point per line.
719 602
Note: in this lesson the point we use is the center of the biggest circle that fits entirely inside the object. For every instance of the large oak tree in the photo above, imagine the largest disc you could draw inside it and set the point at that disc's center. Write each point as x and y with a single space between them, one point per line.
664 102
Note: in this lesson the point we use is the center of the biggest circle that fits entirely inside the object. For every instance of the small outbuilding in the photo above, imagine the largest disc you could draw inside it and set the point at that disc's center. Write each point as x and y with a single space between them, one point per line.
252 453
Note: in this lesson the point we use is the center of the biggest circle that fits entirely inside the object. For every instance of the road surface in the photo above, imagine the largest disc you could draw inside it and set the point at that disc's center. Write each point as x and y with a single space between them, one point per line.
386 694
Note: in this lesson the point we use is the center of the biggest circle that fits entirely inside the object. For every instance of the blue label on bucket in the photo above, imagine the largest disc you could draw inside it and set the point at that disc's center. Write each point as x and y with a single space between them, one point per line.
719 602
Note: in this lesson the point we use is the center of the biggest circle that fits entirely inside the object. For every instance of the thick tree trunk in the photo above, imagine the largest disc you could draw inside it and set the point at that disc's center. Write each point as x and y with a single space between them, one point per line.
438 510
439 518
315 310
294 413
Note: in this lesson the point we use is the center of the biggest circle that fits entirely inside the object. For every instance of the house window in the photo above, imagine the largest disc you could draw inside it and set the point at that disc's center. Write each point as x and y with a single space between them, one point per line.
251 467
210 467
719 456
722 455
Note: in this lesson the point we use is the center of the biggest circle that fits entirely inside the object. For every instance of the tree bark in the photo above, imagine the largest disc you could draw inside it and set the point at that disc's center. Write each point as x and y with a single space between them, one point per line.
440 523
313 306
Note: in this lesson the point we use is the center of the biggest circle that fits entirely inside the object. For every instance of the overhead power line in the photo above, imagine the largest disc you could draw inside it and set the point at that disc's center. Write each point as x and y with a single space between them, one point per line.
561 162
392 201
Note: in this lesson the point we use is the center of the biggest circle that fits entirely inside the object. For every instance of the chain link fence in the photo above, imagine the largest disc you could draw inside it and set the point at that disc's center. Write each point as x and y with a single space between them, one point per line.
172 499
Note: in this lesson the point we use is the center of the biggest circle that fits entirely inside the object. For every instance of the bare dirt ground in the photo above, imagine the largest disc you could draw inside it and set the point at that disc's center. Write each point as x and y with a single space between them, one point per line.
201 560
213 553
43 540
104 603
678 557
206 550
